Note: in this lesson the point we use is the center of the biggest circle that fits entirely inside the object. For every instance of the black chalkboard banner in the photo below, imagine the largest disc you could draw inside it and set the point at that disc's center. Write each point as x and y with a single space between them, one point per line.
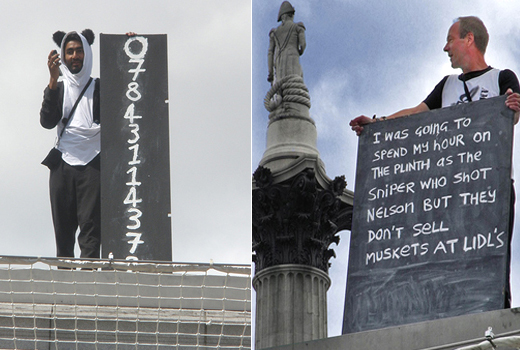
135 166
431 216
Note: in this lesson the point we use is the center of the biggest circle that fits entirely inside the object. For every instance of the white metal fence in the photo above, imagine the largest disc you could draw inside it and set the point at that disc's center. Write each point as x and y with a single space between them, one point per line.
48 303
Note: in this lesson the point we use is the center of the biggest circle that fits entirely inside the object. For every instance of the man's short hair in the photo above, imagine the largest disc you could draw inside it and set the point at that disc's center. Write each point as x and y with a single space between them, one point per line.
476 26
72 37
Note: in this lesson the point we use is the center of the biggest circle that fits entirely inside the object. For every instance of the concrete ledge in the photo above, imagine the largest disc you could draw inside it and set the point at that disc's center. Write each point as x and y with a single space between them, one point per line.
445 334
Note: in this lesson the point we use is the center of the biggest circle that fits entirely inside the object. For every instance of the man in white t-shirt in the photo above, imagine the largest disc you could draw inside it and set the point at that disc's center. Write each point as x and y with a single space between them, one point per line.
466 45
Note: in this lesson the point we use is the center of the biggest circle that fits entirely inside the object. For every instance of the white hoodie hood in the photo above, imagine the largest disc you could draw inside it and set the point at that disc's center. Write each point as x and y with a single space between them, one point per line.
80 142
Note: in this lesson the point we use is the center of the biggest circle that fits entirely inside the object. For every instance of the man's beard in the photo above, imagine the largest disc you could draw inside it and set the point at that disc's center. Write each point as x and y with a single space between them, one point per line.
74 69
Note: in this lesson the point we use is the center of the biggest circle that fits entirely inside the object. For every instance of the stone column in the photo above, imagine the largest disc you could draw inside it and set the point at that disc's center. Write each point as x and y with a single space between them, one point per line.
297 209
291 305
294 223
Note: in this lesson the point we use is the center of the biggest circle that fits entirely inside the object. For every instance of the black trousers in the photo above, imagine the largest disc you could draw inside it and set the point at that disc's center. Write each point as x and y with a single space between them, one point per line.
76 202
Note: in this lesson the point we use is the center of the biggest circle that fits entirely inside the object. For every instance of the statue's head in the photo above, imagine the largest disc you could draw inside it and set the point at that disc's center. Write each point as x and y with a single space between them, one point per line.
285 8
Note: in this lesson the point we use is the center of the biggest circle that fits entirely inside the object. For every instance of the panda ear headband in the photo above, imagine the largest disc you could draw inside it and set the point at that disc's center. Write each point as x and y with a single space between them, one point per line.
87 33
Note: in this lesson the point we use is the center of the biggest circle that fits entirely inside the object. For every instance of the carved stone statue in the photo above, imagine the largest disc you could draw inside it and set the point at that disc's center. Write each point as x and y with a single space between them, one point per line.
286 45
288 94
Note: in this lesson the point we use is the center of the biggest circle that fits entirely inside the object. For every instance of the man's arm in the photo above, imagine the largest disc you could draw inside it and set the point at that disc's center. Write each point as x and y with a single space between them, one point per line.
433 101
421 107
357 123
51 111
509 85
54 64
513 102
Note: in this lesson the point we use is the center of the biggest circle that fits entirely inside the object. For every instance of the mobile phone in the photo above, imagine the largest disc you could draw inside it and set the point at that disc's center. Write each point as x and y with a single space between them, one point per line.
54 52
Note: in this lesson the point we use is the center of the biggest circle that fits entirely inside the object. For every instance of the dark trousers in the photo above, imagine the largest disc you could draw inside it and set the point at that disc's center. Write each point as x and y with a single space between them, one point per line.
76 201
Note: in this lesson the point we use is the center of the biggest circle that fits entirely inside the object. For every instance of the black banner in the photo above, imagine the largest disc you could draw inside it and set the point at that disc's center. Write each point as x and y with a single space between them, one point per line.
135 170
431 216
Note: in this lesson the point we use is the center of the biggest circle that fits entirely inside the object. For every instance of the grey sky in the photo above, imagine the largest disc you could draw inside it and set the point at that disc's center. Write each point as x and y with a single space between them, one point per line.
209 62
374 57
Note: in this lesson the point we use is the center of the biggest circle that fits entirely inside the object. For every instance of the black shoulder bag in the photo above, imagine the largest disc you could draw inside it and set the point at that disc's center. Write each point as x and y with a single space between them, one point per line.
54 157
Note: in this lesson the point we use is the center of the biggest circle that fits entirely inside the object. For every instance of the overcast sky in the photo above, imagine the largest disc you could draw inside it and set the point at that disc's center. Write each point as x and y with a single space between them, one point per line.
209 63
374 57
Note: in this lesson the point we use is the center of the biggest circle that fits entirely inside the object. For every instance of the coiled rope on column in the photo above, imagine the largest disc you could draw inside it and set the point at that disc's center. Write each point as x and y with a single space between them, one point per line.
292 89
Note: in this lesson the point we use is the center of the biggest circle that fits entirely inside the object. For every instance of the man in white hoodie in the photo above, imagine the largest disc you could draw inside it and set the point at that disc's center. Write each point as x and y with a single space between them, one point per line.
75 172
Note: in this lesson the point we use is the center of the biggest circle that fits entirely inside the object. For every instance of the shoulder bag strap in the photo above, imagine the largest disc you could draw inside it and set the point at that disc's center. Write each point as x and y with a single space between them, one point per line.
67 120
466 90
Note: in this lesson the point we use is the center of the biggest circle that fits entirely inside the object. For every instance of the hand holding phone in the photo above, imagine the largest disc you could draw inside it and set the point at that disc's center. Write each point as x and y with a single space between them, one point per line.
54 58
54 68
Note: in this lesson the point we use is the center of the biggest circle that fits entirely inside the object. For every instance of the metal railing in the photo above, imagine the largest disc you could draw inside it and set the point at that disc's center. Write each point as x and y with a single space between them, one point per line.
51 303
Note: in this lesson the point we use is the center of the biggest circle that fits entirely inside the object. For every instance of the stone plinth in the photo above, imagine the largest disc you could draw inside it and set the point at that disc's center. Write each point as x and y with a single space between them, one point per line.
291 305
